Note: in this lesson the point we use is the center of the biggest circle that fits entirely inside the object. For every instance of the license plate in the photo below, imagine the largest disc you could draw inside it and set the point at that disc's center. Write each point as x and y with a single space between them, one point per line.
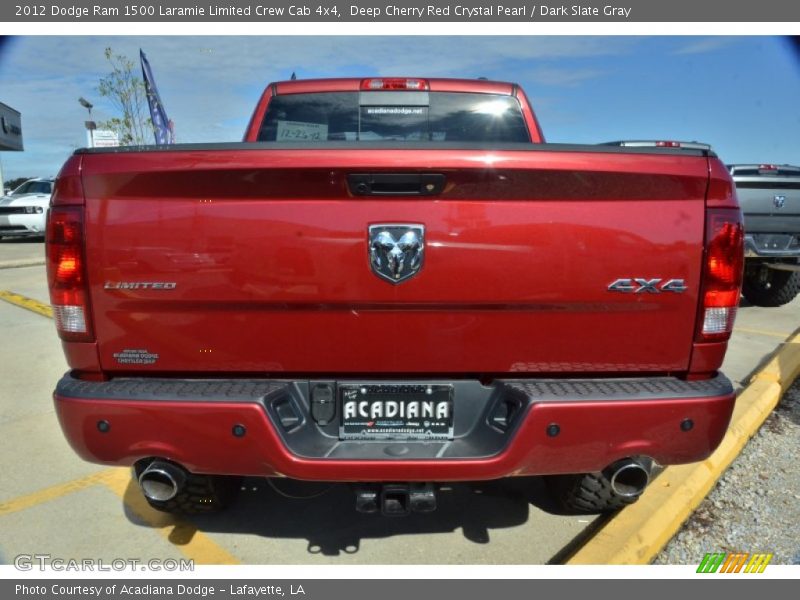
396 411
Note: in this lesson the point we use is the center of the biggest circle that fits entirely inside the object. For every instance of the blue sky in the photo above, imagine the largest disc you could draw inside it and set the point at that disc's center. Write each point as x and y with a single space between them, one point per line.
741 94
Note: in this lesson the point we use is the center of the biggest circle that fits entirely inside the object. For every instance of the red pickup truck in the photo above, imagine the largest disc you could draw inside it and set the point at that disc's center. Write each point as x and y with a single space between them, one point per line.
394 283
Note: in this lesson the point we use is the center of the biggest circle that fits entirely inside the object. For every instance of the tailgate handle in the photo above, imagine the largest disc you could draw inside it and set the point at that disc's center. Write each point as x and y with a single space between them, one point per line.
396 184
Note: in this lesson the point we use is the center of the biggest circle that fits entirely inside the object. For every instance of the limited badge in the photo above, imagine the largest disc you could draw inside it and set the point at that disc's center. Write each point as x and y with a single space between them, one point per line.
396 250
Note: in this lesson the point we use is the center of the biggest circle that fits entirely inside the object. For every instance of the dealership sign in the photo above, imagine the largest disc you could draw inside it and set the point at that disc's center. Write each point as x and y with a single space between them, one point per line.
10 128
105 138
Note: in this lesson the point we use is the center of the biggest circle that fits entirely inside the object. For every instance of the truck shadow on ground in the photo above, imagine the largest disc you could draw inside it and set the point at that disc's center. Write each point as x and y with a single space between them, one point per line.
325 516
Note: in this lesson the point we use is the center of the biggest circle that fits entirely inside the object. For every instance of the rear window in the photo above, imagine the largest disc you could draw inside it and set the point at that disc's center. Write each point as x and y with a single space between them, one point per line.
401 116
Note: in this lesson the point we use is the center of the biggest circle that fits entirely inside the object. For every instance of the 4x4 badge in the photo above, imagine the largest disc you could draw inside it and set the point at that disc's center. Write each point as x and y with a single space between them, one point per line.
396 250
639 285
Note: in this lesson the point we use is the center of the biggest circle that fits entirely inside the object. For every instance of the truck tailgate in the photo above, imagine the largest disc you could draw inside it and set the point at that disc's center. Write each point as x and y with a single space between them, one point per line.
262 261
770 204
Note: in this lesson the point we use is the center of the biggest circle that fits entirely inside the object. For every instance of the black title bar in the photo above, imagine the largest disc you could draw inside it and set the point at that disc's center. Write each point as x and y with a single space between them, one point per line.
461 11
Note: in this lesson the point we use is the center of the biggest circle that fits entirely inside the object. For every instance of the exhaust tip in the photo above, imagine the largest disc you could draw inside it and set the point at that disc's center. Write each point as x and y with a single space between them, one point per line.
629 477
161 481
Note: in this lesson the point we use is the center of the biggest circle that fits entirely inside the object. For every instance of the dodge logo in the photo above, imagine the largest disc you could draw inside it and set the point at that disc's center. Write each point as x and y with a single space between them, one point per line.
779 201
396 250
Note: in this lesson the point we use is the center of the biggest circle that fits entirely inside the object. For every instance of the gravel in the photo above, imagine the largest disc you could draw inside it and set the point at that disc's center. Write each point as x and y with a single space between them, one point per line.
755 506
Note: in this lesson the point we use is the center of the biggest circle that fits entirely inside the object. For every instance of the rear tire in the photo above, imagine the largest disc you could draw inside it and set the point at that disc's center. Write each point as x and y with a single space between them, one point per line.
202 494
770 287
586 493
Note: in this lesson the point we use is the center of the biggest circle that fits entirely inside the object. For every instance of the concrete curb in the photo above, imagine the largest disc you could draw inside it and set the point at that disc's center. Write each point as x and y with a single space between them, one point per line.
635 536
14 264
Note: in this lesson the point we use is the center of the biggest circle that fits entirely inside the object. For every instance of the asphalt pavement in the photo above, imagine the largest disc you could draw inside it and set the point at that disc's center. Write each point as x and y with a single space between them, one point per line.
21 252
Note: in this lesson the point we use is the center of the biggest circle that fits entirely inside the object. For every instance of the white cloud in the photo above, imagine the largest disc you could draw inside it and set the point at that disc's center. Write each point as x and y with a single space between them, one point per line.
704 45
563 77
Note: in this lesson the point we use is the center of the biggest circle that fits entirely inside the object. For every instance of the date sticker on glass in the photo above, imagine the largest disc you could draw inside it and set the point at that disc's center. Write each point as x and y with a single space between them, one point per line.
297 131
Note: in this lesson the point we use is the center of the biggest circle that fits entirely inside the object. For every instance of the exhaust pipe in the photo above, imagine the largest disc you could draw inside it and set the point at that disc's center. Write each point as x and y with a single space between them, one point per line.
630 476
161 481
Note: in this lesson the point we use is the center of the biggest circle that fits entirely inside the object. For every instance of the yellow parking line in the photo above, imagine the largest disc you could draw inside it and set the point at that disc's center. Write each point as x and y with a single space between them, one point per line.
637 534
185 536
188 539
54 492
28 303
768 333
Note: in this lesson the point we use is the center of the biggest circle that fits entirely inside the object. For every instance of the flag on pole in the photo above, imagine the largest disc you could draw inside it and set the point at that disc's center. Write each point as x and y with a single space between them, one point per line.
163 128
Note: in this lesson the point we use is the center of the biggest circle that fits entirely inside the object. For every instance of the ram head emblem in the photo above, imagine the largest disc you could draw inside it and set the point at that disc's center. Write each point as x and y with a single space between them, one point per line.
396 251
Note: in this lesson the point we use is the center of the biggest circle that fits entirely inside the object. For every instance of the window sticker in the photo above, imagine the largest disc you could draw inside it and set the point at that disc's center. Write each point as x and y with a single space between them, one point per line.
396 110
297 131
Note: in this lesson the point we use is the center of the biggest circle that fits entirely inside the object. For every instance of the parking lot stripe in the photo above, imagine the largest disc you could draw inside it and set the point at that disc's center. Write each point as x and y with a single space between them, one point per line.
54 492
777 334
194 544
23 262
27 303
637 534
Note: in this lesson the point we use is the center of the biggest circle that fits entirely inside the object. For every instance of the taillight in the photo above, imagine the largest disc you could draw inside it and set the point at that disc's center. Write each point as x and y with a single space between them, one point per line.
66 273
722 273
394 83
668 144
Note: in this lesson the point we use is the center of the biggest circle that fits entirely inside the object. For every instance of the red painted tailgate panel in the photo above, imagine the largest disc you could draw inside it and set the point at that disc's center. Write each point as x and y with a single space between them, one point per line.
269 254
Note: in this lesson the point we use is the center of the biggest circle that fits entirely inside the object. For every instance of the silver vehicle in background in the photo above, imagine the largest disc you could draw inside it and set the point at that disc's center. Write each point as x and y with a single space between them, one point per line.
23 211
770 199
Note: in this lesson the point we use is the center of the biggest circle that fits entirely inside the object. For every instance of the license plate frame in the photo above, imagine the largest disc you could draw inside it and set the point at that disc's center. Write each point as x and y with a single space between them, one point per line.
406 411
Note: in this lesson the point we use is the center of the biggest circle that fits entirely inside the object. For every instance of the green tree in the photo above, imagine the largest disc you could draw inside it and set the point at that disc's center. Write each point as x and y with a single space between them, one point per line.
13 184
126 91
